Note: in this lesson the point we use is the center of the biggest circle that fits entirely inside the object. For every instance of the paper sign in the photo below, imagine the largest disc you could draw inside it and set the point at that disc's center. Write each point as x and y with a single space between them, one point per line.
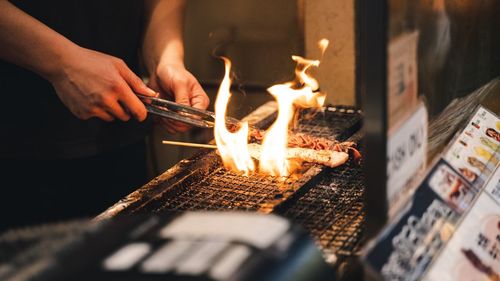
406 155
402 77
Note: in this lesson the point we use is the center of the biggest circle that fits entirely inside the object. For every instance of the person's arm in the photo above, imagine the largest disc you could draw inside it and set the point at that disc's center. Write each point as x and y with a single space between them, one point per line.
163 54
89 83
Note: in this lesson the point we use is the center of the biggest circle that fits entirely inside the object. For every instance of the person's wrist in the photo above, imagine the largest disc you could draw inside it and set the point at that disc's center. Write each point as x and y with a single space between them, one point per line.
170 61
165 66
172 55
62 59
169 65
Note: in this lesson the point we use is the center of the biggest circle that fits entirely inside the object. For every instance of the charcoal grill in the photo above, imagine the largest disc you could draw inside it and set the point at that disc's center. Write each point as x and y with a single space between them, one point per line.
326 202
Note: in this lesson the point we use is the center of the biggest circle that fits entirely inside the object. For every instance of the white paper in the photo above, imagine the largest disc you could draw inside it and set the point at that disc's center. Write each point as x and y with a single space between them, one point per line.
406 155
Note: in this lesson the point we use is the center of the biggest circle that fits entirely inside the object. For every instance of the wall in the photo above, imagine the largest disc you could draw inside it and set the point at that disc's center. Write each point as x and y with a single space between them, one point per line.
333 20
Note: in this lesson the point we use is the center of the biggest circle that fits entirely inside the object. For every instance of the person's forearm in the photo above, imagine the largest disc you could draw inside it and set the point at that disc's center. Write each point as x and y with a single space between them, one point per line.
163 42
163 54
29 43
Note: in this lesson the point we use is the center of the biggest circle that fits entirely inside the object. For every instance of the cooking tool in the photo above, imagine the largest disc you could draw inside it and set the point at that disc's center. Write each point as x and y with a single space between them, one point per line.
183 113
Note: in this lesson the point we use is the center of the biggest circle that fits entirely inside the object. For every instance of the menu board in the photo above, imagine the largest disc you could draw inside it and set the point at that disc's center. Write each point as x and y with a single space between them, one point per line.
409 243
450 229
493 187
473 253
472 152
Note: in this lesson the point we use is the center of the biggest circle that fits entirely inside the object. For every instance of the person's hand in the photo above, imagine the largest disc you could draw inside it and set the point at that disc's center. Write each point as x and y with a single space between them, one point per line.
93 84
174 82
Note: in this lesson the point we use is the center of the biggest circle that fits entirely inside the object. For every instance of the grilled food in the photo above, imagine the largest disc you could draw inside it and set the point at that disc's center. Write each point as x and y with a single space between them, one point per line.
300 140
330 158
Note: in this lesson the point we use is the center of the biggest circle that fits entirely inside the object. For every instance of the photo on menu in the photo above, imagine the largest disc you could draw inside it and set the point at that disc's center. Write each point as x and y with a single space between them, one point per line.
451 187
473 152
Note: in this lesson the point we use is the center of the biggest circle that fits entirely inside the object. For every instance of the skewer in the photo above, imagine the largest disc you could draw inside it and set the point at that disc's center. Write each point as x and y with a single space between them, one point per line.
328 158
190 144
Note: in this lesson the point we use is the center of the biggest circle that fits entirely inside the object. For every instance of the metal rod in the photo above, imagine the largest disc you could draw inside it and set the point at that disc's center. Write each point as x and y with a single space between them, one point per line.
190 144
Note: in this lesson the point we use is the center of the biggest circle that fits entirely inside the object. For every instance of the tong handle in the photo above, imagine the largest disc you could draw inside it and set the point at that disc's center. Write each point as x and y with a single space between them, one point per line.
178 107
170 109
176 116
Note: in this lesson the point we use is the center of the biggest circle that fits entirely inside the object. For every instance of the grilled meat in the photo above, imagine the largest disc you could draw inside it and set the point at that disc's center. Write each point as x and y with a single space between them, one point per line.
330 158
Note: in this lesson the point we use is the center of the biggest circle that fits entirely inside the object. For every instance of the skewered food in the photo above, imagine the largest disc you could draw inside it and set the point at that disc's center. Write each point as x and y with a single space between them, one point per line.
330 158
307 141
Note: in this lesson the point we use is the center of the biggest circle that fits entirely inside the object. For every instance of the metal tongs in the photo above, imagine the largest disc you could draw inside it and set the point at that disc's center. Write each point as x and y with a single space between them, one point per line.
182 113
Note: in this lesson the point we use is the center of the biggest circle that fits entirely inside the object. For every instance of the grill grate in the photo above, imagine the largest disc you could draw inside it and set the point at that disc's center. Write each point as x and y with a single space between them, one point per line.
332 211
334 123
326 202
225 190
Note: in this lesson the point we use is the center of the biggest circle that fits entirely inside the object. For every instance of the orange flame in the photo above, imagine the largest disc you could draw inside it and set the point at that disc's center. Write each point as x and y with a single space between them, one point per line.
232 147
302 92
274 146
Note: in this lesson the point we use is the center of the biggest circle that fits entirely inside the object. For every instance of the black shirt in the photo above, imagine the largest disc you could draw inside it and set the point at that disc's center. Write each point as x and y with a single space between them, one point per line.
33 121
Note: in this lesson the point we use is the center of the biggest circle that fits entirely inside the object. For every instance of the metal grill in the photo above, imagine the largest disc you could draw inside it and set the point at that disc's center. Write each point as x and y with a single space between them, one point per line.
224 190
334 123
217 189
332 211
326 202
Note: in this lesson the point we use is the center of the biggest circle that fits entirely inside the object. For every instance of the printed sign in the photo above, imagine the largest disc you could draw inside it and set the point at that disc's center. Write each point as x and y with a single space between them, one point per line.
473 253
451 227
406 158
493 187
402 77
473 151
409 243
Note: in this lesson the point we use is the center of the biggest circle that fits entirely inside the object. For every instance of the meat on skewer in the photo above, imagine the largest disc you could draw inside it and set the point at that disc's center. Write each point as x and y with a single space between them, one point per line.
330 158
300 140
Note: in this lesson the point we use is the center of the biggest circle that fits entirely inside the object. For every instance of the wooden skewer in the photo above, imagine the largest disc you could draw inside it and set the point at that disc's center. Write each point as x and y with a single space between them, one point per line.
328 158
190 144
